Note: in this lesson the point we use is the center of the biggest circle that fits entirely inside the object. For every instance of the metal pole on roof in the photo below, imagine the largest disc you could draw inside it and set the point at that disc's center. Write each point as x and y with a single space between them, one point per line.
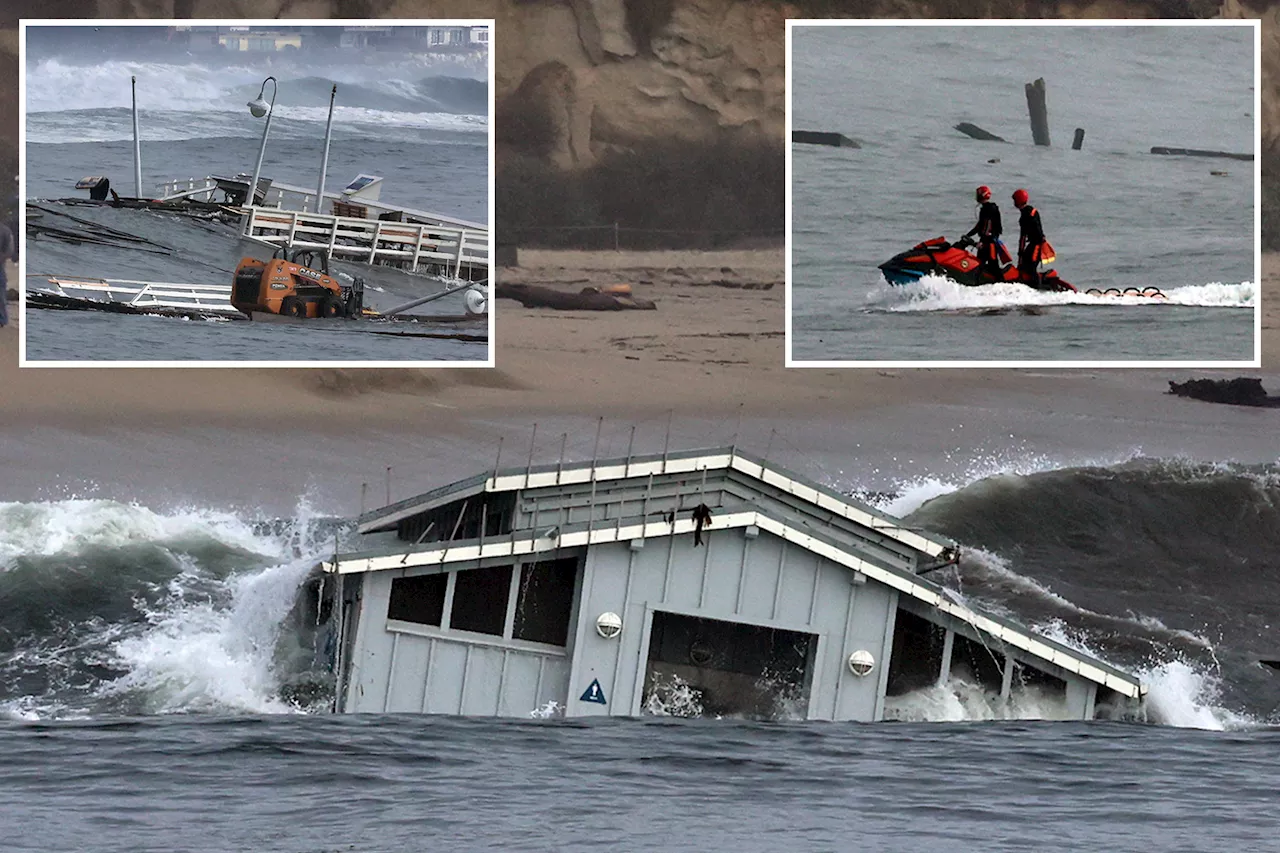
137 142
595 449
497 461
666 441
324 160
533 438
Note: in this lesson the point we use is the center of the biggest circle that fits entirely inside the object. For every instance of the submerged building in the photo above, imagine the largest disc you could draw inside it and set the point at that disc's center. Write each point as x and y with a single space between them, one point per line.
707 582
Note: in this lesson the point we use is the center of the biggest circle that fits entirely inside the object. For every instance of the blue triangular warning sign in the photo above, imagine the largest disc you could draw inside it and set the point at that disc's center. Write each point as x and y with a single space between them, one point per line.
594 693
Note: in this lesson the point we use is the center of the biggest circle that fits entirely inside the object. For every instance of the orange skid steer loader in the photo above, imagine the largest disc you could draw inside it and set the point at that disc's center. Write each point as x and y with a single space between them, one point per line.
292 287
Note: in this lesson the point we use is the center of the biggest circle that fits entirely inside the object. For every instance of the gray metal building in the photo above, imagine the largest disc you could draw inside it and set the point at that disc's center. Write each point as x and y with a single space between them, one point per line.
707 582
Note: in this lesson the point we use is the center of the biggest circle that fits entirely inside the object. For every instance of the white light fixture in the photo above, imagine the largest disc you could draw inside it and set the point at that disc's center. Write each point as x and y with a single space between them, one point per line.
609 625
259 108
861 662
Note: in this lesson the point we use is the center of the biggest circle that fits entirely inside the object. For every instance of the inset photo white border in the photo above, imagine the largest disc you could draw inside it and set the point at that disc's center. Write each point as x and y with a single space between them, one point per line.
23 361
877 202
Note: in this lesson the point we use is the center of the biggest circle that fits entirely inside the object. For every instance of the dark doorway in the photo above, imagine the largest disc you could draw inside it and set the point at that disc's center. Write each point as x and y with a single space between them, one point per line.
711 668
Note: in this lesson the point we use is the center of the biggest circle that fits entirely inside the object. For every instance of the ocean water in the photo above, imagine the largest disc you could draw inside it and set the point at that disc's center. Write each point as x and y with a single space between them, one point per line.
1118 216
156 692
420 122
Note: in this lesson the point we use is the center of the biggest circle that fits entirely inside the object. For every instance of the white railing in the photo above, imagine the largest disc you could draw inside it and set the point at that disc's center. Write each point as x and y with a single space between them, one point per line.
146 294
289 197
372 241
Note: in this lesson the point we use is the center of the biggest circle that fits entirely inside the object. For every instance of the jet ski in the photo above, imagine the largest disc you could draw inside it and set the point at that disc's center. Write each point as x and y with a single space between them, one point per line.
954 261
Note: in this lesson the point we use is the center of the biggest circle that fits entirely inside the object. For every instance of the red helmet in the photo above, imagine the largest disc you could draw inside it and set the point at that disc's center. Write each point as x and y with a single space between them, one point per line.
983 193
1020 198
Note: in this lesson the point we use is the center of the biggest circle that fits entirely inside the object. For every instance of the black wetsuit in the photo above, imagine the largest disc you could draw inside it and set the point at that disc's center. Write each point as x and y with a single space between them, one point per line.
1030 242
988 230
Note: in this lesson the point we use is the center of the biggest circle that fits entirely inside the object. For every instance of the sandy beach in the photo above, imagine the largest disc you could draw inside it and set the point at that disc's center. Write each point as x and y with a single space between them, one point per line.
709 361
715 342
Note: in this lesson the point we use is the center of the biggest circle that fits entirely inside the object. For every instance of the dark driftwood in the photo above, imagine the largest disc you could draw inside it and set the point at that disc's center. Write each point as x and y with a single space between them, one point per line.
1241 391
976 132
1196 152
1079 140
1039 112
589 299
820 137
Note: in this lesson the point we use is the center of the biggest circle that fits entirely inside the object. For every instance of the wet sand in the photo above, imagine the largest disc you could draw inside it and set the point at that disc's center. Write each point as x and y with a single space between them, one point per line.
709 360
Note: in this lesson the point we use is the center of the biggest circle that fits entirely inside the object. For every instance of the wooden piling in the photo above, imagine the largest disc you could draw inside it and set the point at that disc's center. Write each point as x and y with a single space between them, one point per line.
1039 112
976 132
1079 140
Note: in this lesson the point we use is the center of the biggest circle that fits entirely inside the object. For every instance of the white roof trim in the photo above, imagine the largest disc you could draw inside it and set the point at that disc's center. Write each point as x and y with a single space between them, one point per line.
500 547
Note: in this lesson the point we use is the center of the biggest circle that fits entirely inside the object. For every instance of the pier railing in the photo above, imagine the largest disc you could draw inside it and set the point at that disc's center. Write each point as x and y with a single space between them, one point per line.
146 294
456 252
289 197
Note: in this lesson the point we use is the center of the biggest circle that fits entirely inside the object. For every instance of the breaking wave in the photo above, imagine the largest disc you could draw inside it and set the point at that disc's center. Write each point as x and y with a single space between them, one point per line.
115 608
57 85
936 293
70 103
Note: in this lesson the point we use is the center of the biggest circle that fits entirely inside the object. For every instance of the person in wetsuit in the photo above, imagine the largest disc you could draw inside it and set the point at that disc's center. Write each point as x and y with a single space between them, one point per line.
988 230
1030 239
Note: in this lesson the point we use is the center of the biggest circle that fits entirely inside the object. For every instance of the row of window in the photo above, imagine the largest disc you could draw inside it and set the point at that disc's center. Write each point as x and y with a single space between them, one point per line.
481 599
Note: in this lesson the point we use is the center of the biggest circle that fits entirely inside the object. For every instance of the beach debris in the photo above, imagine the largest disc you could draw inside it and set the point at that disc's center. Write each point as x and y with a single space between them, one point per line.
735 285
1241 391
1039 111
1196 152
1218 173
1078 142
588 299
821 137
969 129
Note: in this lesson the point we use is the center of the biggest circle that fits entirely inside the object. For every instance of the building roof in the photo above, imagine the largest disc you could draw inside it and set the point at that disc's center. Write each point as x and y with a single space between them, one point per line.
642 466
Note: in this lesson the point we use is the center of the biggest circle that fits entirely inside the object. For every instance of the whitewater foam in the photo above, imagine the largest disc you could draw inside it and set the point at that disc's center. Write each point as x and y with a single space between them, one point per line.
213 655
71 526
938 293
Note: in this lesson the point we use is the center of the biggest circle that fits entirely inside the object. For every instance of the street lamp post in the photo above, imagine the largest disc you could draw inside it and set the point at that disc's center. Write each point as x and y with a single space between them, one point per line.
259 108
324 159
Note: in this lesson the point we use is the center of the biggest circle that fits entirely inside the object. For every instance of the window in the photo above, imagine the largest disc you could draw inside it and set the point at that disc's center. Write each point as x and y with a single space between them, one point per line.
480 600
418 599
545 601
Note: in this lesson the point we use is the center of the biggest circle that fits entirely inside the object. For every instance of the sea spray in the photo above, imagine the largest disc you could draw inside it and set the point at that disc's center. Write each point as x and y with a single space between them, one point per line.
118 608
937 293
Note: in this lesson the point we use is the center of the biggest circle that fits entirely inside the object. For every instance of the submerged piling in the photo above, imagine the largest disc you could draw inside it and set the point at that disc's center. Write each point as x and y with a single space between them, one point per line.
969 129
1039 112
1079 140
1196 152
820 137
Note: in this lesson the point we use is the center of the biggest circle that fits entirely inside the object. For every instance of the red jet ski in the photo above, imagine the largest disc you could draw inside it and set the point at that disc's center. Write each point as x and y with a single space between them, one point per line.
938 257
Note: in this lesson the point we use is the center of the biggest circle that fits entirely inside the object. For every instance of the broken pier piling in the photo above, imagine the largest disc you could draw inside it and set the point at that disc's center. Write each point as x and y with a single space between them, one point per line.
1039 111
